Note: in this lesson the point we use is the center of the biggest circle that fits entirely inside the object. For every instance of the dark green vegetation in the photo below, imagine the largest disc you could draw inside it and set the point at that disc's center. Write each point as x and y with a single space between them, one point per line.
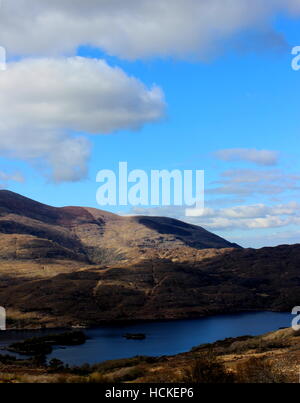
38 346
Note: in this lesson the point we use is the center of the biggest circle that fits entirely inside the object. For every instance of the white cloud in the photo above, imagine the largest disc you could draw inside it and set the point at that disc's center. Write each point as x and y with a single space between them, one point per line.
260 240
46 105
14 177
247 182
139 28
246 217
7 177
259 157
250 225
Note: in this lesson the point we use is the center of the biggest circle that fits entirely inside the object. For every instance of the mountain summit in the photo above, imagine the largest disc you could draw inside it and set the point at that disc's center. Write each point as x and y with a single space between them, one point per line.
29 229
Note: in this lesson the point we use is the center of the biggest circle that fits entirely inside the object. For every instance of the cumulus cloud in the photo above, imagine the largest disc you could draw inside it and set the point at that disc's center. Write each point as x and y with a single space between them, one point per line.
258 216
138 28
259 157
46 105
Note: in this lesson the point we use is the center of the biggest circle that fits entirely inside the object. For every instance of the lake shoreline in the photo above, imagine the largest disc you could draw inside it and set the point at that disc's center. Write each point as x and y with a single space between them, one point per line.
161 337
124 322
244 359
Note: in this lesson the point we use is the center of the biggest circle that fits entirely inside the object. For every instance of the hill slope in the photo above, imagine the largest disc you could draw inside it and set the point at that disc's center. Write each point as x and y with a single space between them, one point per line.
231 281
82 266
32 230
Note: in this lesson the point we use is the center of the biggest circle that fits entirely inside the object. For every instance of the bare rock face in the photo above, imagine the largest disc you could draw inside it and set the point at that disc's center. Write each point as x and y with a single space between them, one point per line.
83 266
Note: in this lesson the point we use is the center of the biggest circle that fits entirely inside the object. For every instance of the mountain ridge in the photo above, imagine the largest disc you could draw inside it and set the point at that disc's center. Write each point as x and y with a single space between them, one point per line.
92 232
74 266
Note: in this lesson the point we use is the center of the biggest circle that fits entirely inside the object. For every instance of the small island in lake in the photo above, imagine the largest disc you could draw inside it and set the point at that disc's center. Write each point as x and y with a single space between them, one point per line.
134 336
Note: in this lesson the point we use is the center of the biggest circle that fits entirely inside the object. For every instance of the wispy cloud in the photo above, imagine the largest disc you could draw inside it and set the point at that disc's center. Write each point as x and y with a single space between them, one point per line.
277 237
14 176
259 157
247 182
7 177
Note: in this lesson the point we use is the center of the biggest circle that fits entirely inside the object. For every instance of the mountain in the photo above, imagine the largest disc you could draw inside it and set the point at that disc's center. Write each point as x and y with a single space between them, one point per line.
31 230
81 266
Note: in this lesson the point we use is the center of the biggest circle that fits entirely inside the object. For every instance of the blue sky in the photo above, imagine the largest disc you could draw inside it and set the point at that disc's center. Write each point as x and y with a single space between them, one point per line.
238 99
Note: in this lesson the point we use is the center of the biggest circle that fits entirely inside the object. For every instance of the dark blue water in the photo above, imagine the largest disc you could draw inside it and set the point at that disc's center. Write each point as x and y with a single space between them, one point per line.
163 338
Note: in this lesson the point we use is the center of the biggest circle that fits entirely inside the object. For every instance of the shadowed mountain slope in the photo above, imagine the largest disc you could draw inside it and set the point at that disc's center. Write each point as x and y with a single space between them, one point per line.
231 281
91 235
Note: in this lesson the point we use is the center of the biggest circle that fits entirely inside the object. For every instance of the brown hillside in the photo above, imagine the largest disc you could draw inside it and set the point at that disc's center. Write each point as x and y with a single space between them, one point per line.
83 266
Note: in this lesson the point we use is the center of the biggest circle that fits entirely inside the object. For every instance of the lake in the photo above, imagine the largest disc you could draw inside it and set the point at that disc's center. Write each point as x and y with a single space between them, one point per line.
163 338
